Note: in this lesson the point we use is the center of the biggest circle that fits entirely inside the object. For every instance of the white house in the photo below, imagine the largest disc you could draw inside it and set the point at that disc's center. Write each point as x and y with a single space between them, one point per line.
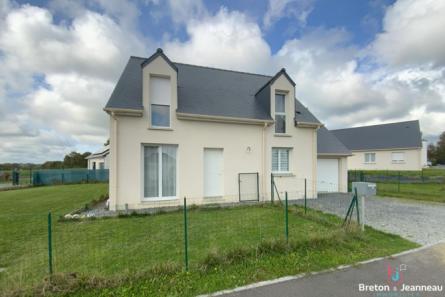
394 146
179 130
99 160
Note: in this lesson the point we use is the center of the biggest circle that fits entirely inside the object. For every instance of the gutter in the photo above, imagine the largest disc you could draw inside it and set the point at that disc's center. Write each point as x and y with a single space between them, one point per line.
308 124
224 119
333 155
124 111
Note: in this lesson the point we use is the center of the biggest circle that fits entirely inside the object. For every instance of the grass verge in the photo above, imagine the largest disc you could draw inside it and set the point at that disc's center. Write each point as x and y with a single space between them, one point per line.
143 256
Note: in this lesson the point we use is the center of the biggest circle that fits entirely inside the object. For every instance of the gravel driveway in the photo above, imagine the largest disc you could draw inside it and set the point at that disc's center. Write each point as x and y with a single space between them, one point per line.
418 221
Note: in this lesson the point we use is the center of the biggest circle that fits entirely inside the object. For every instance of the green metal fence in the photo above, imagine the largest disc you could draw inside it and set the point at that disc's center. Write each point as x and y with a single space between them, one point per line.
185 236
68 176
425 184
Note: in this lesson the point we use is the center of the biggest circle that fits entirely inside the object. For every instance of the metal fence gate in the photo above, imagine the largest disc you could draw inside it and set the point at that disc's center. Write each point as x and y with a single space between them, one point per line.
248 184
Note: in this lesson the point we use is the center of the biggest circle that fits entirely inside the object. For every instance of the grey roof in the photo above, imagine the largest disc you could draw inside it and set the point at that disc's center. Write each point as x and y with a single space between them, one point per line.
102 153
302 114
127 93
386 136
328 144
205 91
216 92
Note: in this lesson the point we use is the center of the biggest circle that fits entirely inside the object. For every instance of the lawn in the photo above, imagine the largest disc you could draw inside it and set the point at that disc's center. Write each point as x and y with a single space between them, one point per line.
143 255
427 185
426 192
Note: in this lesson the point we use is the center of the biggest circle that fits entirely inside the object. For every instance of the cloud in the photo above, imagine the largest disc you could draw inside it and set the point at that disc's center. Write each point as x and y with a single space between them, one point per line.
227 39
299 10
55 79
413 33
57 70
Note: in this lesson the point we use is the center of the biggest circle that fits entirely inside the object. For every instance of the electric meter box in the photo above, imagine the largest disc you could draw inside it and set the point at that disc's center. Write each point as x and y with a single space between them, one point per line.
364 189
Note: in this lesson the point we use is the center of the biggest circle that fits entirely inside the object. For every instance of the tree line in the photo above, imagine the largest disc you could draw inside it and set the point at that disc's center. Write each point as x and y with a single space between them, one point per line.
72 160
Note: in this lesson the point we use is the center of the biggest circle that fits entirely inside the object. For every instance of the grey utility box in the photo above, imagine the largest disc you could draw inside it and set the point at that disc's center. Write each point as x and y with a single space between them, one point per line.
364 189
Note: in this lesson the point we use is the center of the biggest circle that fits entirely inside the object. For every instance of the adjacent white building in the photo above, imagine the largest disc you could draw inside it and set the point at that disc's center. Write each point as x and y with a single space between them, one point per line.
394 146
99 160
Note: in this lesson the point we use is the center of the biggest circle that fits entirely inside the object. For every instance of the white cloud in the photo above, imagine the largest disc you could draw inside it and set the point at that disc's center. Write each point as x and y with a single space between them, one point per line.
296 9
413 33
183 11
227 39
55 79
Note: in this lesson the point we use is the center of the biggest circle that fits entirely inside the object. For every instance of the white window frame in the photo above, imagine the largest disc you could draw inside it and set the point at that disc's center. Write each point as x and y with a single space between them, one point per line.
280 113
279 171
398 161
371 154
159 198
160 104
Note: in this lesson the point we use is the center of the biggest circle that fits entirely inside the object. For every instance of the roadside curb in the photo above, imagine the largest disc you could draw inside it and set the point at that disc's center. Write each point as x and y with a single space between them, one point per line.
301 275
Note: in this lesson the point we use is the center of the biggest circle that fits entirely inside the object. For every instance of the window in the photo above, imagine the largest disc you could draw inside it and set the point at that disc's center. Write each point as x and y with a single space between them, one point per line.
280 113
160 171
160 96
101 165
280 159
398 157
369 157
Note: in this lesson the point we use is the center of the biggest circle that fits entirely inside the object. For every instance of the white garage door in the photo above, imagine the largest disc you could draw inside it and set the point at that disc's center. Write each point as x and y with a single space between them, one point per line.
327 175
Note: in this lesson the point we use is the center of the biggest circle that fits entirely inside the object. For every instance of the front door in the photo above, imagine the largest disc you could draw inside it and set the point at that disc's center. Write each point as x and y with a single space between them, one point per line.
213 172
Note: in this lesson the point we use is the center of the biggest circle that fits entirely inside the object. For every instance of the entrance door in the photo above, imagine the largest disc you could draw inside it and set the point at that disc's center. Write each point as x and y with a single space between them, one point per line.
213 172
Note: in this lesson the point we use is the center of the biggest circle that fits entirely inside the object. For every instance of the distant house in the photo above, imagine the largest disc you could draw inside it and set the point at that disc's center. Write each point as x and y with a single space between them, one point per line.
99 160
395 146
180 130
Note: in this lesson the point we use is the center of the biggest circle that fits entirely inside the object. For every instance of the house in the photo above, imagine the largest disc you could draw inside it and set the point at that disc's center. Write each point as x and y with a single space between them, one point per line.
180 130
99 160
395 146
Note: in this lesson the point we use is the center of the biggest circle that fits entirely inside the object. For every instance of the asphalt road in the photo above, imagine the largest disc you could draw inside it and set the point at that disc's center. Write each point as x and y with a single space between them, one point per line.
422 267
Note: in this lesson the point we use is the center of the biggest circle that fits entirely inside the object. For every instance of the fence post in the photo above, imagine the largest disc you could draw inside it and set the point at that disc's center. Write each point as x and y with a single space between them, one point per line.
398 184
62 176
272 192
286 219
357 207
50 245
305 195
186 256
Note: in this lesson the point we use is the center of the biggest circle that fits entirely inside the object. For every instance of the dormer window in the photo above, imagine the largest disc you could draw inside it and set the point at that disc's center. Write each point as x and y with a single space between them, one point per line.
280 113
160 97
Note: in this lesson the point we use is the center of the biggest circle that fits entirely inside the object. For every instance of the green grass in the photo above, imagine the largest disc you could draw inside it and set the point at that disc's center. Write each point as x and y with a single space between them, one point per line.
426 185
426 172
143 255
425 192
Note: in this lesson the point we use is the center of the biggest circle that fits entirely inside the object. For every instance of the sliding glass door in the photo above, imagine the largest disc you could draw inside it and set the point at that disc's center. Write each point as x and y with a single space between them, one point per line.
160 171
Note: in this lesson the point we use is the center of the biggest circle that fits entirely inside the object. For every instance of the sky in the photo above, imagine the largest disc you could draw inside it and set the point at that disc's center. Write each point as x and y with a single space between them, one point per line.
354 62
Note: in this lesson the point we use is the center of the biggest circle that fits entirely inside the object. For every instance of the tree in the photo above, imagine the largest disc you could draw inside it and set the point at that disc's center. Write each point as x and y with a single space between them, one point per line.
75 160
440 149
436 152
432 154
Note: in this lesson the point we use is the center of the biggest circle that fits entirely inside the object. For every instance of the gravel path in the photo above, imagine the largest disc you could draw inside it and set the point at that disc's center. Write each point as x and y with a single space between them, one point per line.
422 222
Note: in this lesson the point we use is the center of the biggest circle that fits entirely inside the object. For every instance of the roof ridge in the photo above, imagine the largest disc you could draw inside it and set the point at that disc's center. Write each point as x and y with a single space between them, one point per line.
221 69
392 123
138 57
